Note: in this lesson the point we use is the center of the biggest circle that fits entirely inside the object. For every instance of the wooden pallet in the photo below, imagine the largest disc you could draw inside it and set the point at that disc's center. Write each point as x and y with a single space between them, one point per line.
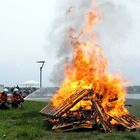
49 110
64 119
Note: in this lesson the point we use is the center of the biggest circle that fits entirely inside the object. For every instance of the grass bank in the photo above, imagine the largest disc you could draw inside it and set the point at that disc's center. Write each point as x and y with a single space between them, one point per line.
28 124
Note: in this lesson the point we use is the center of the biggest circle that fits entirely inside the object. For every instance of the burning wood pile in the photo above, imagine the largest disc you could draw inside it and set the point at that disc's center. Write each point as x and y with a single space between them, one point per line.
90 96
93 117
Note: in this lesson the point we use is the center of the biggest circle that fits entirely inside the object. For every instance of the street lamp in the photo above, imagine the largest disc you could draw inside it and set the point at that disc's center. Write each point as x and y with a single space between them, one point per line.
41 62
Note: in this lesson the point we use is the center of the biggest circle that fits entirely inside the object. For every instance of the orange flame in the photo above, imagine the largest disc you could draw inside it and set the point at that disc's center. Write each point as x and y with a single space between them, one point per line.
88 69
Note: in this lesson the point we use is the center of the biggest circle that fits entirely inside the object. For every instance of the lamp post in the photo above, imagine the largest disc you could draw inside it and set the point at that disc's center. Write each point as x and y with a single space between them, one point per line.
41 62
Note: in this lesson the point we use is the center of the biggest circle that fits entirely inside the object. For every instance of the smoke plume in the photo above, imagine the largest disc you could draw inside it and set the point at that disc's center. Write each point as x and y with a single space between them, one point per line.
112 30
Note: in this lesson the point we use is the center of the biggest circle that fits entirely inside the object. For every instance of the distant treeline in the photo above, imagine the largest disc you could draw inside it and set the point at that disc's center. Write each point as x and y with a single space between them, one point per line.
133 89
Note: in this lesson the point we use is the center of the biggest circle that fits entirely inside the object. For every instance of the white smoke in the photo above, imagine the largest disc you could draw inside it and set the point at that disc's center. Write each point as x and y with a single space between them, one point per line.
113 30
70 16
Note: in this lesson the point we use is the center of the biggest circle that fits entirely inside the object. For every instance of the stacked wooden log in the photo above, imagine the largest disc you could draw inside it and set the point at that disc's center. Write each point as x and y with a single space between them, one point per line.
65 119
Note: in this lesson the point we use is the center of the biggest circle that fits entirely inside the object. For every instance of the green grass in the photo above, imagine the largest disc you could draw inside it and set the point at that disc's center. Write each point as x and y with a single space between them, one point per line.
27 124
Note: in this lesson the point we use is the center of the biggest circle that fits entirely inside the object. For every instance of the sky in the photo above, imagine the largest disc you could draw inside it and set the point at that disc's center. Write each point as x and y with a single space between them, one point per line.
23 31
33 30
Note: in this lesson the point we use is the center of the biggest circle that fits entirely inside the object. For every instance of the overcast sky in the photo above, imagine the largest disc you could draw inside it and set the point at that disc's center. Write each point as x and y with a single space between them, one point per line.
25 26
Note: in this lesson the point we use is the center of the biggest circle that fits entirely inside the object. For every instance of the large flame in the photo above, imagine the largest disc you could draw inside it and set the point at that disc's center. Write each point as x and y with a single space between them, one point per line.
88 69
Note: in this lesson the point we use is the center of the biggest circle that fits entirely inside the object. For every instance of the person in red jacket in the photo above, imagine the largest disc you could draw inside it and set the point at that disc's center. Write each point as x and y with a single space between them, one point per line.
4 104
16 99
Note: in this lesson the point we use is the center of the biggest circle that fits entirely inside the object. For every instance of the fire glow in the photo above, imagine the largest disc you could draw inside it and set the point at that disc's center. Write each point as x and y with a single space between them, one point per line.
88 69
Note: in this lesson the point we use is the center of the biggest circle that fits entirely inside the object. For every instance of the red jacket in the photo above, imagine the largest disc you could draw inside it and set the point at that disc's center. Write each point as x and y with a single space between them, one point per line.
16 97
4 98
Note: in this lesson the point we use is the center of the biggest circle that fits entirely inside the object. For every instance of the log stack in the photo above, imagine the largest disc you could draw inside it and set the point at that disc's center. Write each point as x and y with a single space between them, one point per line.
65 119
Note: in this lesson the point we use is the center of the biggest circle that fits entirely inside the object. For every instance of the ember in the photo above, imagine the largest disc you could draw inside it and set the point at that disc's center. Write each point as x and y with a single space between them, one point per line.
89 96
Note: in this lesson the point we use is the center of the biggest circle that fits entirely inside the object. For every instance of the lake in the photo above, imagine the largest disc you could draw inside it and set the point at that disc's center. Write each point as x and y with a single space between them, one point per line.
133 96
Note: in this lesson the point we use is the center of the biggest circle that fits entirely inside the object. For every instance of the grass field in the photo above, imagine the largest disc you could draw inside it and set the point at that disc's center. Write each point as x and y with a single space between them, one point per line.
28 124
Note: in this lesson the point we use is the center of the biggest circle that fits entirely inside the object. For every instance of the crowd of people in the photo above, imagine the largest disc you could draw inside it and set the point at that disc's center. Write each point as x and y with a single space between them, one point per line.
15 101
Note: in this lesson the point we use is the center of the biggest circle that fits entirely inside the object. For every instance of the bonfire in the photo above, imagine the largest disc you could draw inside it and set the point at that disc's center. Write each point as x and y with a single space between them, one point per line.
90 96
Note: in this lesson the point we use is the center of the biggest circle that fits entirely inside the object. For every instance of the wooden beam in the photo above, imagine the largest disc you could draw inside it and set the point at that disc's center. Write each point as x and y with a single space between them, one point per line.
68 104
